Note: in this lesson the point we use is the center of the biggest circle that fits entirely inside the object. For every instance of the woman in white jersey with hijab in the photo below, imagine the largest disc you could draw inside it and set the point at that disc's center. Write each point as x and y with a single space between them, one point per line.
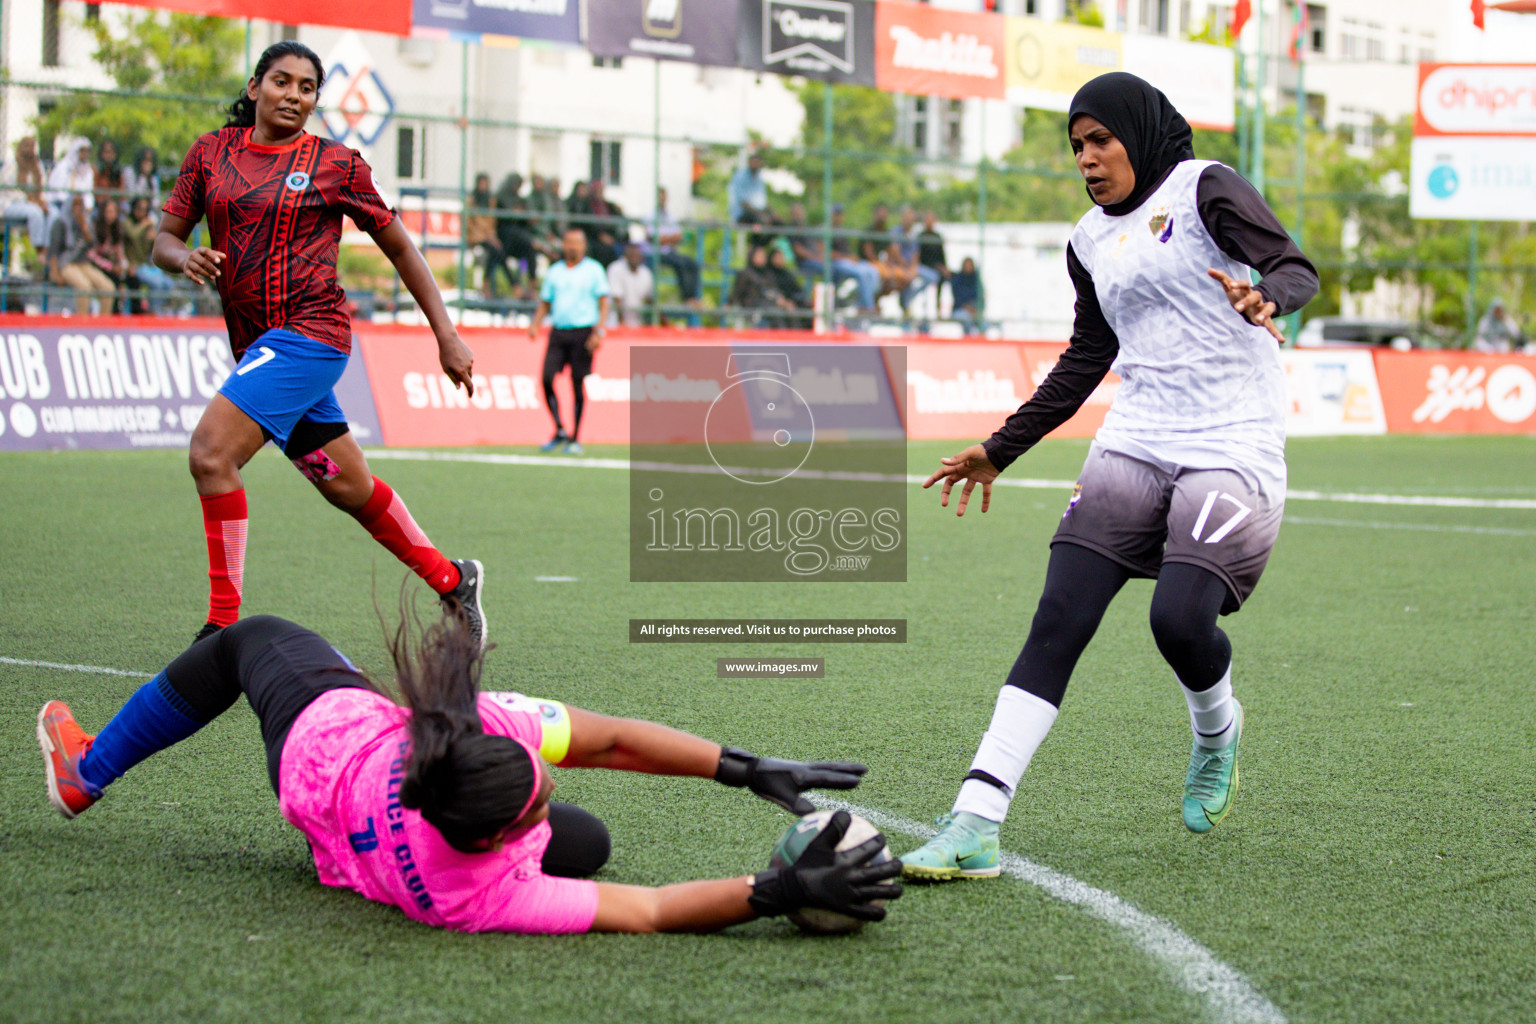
1185 481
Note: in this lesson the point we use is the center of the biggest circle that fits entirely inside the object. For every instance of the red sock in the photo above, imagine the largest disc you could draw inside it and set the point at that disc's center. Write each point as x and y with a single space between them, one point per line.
389 521
224 524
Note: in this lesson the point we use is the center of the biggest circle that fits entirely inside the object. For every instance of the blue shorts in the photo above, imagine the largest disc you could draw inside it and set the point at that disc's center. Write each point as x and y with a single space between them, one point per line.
285 379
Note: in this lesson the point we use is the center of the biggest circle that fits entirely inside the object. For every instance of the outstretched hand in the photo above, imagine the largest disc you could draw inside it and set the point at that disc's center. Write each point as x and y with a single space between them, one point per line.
972 466
785 782
1250 303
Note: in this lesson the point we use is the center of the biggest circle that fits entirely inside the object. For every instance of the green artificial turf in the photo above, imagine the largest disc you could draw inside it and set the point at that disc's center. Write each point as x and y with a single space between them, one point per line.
1379 865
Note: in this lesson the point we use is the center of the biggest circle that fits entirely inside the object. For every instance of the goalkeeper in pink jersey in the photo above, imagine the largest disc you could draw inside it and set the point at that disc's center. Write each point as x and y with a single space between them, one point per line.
442 807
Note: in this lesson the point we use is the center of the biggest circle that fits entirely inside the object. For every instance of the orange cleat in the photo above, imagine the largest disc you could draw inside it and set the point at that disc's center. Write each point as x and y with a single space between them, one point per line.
63 743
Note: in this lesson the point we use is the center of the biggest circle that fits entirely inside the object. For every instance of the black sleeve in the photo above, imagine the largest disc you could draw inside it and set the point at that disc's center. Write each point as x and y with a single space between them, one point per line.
1247 230
1079 370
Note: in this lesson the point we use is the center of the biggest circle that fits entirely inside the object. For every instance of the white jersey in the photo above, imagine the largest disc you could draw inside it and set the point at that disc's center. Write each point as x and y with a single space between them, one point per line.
1200 385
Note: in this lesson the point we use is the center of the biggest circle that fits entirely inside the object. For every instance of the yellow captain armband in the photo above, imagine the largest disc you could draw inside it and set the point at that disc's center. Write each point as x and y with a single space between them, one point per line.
554 720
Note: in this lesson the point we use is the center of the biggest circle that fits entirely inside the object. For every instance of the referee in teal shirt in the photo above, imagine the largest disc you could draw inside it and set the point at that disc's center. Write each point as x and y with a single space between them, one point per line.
575 295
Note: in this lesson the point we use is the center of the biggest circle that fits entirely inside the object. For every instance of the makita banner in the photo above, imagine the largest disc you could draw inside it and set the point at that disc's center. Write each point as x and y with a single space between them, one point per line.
555 20
126 384
929 51
833 40
696 31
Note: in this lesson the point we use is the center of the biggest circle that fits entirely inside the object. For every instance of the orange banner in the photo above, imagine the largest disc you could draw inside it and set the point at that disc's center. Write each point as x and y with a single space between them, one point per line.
1457 392
392 16
930 51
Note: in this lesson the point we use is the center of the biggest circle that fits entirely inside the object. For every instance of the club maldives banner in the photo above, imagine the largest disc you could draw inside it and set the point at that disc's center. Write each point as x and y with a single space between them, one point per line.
126 383
392 16
554 20
931 51
695 31
132 382
833 40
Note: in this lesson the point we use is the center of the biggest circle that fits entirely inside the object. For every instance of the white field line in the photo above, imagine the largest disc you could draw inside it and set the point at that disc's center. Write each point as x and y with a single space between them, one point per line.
1227 996
496 459
91 669
1376 524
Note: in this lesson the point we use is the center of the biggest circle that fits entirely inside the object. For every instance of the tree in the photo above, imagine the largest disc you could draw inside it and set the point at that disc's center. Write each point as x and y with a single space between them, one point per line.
184 68
868 165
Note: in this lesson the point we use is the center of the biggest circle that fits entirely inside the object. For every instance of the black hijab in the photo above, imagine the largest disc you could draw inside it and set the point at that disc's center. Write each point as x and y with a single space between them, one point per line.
1154 134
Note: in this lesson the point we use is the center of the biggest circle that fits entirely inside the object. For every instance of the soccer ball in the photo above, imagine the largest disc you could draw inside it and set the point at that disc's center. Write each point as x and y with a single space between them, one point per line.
793 843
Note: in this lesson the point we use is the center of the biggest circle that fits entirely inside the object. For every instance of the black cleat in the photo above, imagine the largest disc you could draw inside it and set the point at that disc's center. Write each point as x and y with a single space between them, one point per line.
464 599
209 628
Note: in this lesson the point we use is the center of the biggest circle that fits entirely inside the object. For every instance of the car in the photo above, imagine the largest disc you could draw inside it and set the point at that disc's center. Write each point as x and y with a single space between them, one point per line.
1333 331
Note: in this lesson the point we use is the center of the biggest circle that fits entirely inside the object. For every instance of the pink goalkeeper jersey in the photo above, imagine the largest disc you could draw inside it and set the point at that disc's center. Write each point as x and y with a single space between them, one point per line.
342 765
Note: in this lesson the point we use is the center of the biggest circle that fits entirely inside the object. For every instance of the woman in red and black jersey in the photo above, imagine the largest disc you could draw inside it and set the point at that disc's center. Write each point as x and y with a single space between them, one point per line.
274 197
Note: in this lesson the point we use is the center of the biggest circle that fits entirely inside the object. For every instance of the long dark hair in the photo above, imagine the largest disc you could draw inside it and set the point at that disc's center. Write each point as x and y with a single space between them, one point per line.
467 784
242 112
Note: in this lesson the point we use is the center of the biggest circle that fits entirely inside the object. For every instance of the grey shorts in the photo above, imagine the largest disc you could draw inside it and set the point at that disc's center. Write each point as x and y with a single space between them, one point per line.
1141 516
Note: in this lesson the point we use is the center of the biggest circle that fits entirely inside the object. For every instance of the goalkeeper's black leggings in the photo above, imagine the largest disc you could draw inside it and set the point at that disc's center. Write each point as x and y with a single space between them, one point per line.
281 667
1080 584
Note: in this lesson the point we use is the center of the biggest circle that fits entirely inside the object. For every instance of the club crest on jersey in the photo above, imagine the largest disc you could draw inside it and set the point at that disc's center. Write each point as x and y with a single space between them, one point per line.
297 181
1161 224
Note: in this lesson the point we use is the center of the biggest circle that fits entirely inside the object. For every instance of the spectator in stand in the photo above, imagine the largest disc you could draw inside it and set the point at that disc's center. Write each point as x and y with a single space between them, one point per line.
152 284
556 205
512 224
108 178
606 233
630 286
666 235
843 254
747 198
1496 332
755 289
69 243
72 175
543 211
791 288
108 253
965 289
480 236
876 250
143 178
576 203
746 193
904 255
930 248
809 260
21 192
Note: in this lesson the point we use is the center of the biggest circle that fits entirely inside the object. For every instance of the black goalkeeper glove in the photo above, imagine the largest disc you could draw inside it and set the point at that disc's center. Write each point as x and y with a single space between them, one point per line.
842 881
782 782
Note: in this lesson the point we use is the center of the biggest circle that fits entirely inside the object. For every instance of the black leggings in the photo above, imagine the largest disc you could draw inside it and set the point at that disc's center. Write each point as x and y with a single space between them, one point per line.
1080 584
281 667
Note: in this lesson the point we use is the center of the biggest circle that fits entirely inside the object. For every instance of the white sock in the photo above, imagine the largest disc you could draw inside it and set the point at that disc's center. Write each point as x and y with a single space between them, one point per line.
1019 724
1212 715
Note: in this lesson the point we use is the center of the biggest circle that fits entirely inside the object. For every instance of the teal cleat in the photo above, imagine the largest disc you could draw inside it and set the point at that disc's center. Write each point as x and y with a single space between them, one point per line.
1211 785
958 851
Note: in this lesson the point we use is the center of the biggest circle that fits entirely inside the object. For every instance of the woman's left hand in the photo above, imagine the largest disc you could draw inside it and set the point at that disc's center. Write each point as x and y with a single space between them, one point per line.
1250 302
458 361
595 339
